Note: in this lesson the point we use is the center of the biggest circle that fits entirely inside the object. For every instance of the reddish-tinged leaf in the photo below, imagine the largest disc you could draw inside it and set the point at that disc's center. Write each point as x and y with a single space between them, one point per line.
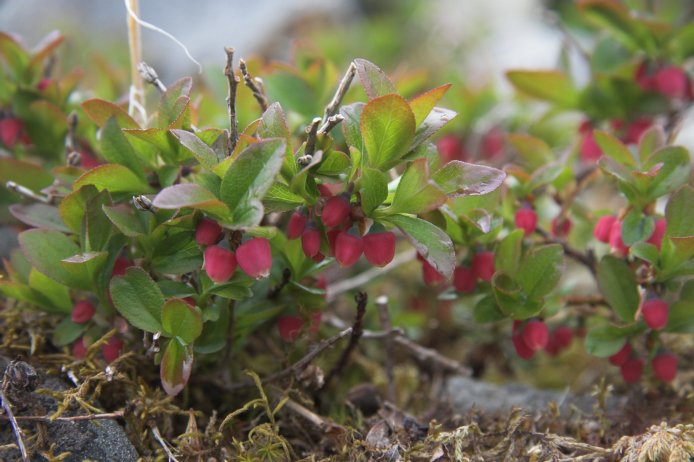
99 111
422 105
176 365
373 79
458 178
190 195
387 126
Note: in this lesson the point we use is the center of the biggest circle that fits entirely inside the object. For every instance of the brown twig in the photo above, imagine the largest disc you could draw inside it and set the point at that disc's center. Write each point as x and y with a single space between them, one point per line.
357 330
298 367
342 88
275 291
254 86
28 193
162 442
312 131
233 82
387 326
330 123
587 259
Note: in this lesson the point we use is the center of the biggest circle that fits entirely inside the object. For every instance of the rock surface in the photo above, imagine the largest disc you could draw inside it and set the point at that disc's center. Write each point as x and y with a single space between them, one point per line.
102 440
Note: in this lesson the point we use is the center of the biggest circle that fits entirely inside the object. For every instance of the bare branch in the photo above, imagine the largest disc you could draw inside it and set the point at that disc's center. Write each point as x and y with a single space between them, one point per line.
28 193
233 83
76 418
19 436
150 76
255 85
312 131
330 123
342 88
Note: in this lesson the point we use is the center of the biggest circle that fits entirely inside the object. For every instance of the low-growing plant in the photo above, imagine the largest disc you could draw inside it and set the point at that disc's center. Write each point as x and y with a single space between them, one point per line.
200 236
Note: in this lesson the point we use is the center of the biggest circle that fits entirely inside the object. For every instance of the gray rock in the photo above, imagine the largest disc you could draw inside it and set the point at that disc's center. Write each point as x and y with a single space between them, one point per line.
466 393
98 440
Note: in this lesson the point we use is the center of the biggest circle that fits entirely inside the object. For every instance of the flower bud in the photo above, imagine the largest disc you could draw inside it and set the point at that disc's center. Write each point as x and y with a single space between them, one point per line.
219 264
348 249
379 248
208 232
255 258
297 223
82 312
335 211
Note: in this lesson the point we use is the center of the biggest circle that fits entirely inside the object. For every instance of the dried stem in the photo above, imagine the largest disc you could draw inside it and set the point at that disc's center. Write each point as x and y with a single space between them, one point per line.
28 193
330 123
137 101
297 368
587 259
312 131
342 88
76 418
70 144
233 83
150 76
19 436
254 85
357 331
162 442
387 326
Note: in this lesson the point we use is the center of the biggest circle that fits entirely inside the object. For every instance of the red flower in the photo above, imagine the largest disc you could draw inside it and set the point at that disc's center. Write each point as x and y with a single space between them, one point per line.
255 258
535 334
297 223
451 148
483 265
622 355
11 130
616 241
290 327
208 232
464 280
79 349
310 241
632 369
82 312
111 351
430 275
655 313
120 266
220 263
658 232
665 367
379 248
603 228
671 82
590 150
561 228
522 350
526 219
335 211
348 248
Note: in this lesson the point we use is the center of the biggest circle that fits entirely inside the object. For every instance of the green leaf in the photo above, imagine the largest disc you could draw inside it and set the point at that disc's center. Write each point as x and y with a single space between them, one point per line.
85 267
507 255
114 178
429 240
14 54
614 148
24 173
190 195
176 365
279 198
423 104
334 163
673 169
387 125
541 270
73 207
39 215
204 154
99 111
416 192
486 310
458 178
96 227
373 79
67 332
116 148
680 220
637 227
181 320
618 285
552 86
45 249
645 251
351 127
138 299
435 121
249 178
681 44
374 189
614 17
534 151
123 218
170 107
57 294
604 341
681 315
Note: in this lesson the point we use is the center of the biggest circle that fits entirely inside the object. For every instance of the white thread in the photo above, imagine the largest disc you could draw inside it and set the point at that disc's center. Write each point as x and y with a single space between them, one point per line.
163 32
